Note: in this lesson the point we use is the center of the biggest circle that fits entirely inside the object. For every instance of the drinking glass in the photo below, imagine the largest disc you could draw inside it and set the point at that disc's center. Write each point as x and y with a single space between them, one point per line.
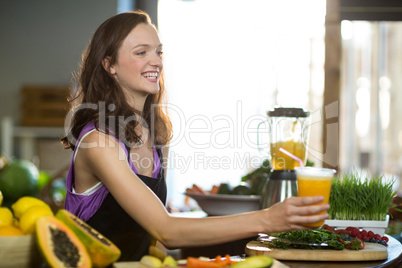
314 181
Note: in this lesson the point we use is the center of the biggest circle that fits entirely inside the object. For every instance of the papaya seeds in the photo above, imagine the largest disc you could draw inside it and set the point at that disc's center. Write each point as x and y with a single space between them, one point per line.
100 249
59 246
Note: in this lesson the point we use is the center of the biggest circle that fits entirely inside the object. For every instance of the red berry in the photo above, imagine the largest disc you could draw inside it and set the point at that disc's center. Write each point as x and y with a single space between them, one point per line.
370 234
364 233
351 229
377 237
342 231
355 232
329 228
385 239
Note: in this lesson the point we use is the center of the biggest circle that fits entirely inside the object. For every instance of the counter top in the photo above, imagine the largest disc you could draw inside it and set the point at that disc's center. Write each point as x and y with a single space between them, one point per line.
394 259
276 264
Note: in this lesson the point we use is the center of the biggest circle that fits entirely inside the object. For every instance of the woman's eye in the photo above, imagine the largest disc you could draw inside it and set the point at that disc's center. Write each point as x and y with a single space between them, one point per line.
141 53
160 53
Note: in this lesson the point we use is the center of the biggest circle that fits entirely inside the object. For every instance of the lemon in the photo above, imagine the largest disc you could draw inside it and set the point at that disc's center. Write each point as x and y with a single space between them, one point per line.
24 203
169 261
31 215
151 261
6 217
10 231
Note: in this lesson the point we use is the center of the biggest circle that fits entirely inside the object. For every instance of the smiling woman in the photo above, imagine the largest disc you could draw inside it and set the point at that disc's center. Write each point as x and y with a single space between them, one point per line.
123 200
140 53
227 63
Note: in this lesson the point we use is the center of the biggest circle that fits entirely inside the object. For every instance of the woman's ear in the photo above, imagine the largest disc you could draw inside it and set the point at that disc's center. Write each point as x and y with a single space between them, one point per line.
106 65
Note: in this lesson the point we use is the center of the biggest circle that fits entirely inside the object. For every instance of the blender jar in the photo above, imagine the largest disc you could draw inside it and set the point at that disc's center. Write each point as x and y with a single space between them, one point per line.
290 130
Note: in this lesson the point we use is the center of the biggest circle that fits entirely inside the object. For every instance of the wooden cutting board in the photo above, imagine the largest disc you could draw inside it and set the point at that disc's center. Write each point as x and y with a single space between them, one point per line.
370 252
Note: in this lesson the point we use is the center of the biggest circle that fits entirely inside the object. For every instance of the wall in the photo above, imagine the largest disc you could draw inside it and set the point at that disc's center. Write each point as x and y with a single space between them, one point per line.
42 42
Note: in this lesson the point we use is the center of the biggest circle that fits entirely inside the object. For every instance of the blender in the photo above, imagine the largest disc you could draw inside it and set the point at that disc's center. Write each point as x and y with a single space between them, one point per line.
289 128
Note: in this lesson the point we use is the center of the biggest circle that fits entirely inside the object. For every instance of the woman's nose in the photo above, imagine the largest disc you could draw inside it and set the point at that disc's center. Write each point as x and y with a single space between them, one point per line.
156 60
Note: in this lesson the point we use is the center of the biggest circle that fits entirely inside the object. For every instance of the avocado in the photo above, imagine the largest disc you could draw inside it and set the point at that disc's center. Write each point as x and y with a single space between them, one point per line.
225 188
242 189
254 262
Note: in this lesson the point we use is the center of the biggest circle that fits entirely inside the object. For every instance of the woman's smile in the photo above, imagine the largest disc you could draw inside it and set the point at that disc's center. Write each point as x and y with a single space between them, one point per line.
151 76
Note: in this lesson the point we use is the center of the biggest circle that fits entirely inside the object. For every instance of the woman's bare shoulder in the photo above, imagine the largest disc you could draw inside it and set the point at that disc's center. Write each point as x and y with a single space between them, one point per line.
98 139
101 145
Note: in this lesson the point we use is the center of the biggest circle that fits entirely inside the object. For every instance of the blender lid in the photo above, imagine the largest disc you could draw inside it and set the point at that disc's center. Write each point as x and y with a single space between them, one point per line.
288 112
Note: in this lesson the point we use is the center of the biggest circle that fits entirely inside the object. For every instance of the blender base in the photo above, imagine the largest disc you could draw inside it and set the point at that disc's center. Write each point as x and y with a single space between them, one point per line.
280 185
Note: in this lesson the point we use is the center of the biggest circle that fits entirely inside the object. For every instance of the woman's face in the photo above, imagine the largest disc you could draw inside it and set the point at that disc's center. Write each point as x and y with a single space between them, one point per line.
139 63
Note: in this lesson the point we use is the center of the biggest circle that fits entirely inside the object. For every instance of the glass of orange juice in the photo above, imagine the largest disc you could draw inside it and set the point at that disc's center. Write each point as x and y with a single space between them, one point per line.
314 181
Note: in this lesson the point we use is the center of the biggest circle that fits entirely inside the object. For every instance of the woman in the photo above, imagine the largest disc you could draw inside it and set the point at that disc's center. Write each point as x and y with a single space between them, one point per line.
116 181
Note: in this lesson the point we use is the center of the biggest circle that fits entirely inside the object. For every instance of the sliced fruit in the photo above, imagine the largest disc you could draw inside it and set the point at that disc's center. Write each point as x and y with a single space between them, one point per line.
10 231
6 217
151 261
254 262
24 203
1 198
59 245
156 252
101 250
169 261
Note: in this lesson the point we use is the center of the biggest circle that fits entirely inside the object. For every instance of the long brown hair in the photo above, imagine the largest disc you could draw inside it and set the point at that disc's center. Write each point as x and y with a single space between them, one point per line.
110 111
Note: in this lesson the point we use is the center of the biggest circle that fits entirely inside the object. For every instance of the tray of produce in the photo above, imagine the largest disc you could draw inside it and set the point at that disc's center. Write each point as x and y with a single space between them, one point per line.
216 203
323 244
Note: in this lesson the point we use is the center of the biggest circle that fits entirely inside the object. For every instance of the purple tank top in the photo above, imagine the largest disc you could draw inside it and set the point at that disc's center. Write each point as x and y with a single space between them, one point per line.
85 206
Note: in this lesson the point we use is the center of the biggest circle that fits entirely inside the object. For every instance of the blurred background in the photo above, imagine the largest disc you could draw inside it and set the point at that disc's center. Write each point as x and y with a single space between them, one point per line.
227 62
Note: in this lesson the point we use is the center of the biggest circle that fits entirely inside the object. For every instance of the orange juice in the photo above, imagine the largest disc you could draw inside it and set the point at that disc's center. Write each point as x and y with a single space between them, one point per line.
281 161
314 181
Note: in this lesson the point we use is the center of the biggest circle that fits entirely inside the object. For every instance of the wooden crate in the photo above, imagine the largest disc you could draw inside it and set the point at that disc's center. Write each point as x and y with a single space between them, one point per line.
45 106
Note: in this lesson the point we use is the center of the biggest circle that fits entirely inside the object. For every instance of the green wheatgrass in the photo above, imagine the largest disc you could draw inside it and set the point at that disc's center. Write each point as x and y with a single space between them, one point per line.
360 197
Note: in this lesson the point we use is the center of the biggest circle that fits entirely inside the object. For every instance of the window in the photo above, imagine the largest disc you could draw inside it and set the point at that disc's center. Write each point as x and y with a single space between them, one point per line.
371 133
226 64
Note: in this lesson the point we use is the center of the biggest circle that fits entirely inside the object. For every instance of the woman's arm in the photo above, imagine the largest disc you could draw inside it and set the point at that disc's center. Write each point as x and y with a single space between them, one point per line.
109 163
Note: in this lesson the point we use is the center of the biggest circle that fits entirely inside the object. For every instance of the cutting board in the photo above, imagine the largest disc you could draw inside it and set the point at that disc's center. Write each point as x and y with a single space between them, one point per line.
370 252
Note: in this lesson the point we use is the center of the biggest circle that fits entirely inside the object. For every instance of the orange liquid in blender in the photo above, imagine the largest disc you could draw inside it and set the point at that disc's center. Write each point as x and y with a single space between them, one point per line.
281 161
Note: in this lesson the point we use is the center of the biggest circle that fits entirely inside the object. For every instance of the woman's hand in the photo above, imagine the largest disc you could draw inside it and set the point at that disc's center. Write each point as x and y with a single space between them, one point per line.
292 212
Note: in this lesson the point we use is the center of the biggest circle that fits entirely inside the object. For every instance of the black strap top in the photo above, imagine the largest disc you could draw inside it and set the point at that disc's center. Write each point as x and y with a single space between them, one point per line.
115 224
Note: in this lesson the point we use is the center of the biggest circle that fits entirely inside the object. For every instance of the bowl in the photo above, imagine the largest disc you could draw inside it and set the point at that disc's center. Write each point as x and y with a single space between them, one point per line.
225 204
19 251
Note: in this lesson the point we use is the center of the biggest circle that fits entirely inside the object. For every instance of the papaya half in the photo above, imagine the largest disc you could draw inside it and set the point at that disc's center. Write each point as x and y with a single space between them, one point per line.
59 246
101 250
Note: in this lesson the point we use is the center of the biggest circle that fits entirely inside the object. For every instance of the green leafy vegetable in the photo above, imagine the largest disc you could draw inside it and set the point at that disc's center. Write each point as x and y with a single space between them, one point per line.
316 236
258 177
